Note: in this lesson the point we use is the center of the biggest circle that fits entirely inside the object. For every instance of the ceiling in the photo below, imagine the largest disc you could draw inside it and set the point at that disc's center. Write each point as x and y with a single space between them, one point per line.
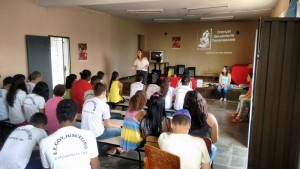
173 10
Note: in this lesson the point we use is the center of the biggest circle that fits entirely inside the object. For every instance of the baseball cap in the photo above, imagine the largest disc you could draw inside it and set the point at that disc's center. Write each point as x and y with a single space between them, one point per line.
184 112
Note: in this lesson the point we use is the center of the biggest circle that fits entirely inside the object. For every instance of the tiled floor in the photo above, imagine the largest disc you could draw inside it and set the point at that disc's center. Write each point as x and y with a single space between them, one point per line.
232 150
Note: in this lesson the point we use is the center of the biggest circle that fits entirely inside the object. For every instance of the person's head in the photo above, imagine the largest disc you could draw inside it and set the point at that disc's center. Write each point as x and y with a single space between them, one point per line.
94 80
85 75
38 120
249 77
137 101
70 80
225 70
114 76
158 82
181 122
66 111
185 80
7 82
186 73
18 83
59 90
197 106
140 54
100 90
100 74
139 78
164 87
41 89
155 113
35 77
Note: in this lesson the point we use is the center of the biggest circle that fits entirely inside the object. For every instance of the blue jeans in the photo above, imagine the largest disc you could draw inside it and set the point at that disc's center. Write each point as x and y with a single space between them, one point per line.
116 116
224 92
109 132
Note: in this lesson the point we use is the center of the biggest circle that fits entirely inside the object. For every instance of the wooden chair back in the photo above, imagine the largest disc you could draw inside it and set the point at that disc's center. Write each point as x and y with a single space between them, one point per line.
156 158
152 140
208 144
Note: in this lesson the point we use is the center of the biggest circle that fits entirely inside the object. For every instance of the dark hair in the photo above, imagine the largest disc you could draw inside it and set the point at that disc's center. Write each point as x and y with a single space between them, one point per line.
185 80
158 82
18 83
155 114
59 90
38 118
34 75
181 120
41 89
69 80
99 88
250 74
7 80
137 101
100 74
227 71
139 78
141 52
197 106
164 87
94 80
85 74
66 110
114 76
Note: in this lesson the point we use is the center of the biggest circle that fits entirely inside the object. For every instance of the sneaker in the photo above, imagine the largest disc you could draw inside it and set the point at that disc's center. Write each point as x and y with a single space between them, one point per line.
221 99
225 100
237 120
234 114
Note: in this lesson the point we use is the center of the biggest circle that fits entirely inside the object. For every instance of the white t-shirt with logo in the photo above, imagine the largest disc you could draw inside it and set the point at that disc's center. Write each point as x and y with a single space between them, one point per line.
169 97
68 148
30 86
3 105
16 114
192 151
151 89
134 87
94 111
180 94
18 147
32 103
90 94
140 65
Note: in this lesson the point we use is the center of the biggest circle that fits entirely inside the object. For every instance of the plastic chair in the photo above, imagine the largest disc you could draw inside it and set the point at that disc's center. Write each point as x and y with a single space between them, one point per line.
208 146
156 158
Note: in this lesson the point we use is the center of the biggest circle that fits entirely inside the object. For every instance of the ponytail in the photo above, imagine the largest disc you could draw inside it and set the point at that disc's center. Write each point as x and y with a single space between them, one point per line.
114 76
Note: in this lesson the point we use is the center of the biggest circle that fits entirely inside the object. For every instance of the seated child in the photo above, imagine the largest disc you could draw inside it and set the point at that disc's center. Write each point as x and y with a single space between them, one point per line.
69 82
90 93
3 92
34 78
115 89
180 92
152 88
137 85
20 143
191 150
168 92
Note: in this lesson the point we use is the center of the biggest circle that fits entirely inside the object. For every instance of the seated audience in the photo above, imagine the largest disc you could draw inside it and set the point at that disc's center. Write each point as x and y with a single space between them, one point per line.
115 89
18 147
155 121
15 97
69 81
50 108
3 92
224 83
69 147
137 85
152 88
180 92
90 93
168 92
131 135
100 75
191 150
79 87
34 78
96 117
185 73
243 100
35 102
204 124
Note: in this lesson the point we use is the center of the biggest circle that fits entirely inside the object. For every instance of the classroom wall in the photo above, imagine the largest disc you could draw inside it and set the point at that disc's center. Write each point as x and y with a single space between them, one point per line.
111 41
238 50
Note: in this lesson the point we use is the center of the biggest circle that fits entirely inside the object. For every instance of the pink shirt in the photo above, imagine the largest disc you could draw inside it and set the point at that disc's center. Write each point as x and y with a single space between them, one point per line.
50 110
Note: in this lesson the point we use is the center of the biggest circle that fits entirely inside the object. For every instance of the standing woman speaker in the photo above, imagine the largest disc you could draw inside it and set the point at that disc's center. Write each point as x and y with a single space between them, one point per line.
141 64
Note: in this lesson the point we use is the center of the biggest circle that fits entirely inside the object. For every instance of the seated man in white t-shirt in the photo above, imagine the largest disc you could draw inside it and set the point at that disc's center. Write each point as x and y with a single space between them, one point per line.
90 93
152 88
180 92
137 85
20 143
96 116
192 151
3 92
69 147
